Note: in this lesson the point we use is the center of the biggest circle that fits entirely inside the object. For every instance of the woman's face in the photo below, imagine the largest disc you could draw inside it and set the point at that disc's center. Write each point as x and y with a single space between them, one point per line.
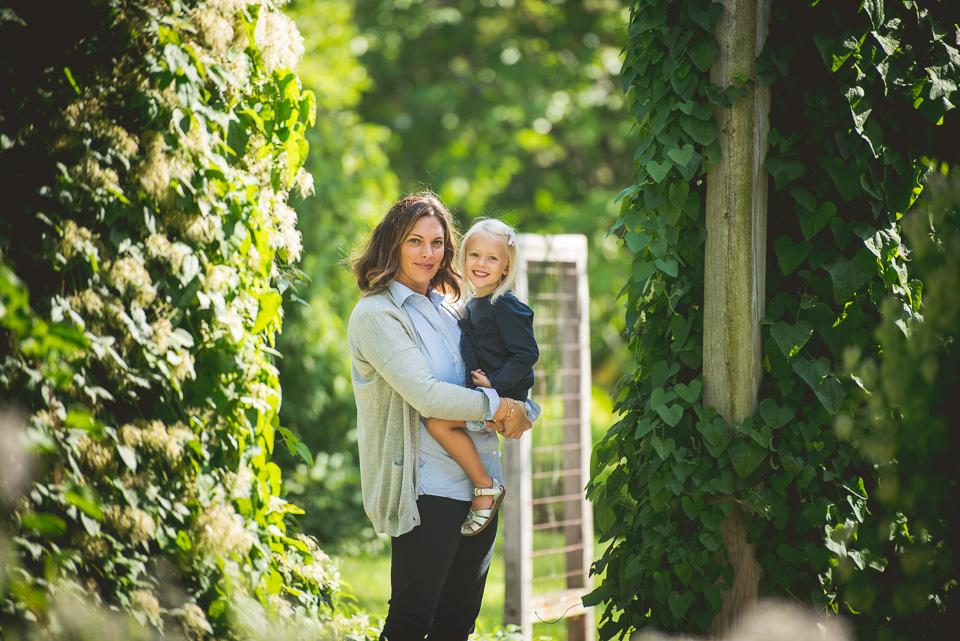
421 254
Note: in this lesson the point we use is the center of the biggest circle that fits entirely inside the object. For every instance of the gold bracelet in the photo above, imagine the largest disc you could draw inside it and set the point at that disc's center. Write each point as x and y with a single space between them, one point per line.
513 406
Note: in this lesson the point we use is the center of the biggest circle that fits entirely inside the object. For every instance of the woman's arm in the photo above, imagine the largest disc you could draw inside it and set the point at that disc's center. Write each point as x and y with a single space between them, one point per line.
380 343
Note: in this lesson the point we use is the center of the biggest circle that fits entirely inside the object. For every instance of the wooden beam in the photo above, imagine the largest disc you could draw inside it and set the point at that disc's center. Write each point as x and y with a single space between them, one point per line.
734 280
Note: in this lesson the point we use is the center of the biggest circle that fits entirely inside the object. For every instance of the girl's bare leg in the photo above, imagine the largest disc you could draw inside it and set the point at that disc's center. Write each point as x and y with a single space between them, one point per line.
453 438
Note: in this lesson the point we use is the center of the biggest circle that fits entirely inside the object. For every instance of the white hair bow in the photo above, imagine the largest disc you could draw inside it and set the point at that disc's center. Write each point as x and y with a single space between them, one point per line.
511 238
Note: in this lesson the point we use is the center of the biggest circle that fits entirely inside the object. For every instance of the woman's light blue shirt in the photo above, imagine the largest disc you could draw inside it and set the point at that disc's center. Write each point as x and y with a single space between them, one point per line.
436 324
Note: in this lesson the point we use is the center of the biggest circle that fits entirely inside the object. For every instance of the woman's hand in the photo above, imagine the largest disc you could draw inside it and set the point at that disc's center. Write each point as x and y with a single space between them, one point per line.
516 422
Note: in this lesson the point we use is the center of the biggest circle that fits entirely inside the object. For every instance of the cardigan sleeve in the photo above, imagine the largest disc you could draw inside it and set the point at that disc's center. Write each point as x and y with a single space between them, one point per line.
379 339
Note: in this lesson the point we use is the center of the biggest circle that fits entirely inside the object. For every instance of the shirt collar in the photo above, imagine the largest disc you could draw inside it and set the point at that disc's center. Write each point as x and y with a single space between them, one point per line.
401 293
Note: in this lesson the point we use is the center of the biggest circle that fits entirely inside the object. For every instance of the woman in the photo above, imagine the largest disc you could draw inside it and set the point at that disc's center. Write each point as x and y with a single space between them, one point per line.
405 347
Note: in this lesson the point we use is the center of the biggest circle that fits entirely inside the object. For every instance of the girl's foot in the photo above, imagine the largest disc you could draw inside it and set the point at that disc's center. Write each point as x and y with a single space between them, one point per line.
478 519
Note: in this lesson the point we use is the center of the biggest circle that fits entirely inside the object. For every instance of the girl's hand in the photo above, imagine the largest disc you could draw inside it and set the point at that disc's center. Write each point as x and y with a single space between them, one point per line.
480 379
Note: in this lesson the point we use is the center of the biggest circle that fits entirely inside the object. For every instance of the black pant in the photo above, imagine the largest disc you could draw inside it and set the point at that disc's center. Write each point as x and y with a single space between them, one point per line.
437 575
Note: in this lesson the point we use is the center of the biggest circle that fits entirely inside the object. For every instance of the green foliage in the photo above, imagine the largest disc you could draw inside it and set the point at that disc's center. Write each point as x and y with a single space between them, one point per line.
353 185
146 159
509 108
858 96
902 420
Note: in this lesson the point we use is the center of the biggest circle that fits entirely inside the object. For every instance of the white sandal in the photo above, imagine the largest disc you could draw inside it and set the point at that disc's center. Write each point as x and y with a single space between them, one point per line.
478 520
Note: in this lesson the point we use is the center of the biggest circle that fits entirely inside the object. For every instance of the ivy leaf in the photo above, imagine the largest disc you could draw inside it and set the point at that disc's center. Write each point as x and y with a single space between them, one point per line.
663 448
846 176
774 415
812 223
644 427
703 132
637 241
690 393
784 172
708 17
702 53
679 604
791 254
746 456
658 402
816 374
681 156
849 275
791 338
668 265
658 170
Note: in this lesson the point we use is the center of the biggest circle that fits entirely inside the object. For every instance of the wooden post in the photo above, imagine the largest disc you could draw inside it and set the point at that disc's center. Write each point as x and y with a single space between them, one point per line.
736 208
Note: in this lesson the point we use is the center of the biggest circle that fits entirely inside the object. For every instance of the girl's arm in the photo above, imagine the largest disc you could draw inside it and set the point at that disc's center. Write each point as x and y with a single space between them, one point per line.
515 325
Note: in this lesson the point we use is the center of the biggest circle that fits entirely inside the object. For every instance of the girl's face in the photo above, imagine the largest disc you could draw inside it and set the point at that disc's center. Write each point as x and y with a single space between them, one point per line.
421 254
486 263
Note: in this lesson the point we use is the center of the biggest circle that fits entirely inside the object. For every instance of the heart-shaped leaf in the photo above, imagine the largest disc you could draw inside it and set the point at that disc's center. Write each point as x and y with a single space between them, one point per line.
791 254
812 223
849 275
643 428
746 456
791 338
774 415
690 507
658 170
690 393
679 604
681 156
663 448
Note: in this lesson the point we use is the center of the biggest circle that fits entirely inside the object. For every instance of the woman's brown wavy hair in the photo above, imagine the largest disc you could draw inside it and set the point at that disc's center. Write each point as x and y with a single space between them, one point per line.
379 263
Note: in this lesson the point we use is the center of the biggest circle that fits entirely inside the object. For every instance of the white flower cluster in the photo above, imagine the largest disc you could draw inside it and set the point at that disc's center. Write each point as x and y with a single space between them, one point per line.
198 228
159 167
132 523
284 237
195 623
146 602
261 397
219 532
173 254
216 30
90 172
279 40
156 437
132 280
92 454
78 241
304 183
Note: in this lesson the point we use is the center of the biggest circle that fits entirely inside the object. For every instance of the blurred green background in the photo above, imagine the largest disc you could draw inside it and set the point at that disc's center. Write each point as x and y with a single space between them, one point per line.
506 108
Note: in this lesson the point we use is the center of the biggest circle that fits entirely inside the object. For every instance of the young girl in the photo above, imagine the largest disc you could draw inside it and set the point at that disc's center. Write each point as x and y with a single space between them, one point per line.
499 351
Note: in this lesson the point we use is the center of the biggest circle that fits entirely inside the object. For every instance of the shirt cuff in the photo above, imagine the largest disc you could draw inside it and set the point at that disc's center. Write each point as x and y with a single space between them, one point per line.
493 401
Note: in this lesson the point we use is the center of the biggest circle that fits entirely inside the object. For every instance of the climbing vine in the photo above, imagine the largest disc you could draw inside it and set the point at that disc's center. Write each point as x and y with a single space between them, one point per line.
858 95
148 151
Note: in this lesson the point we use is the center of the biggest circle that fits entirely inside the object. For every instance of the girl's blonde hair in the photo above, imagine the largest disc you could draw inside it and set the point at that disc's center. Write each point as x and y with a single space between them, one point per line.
497 230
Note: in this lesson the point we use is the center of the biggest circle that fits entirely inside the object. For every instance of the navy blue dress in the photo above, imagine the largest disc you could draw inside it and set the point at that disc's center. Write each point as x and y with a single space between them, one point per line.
499 339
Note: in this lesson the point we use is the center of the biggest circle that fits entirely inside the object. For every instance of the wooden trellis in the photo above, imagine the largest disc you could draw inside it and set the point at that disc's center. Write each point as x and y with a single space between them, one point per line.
547 521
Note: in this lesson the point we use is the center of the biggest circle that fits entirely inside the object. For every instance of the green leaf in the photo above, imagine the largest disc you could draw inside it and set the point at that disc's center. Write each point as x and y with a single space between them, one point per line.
703 132
848 275
668 265
746 456
784 172
269 306
690 507
658 170
669 413
128 456
690 393
774 415
87 500
637 242
791 338
681 156
874 9
679 603
644 427
703 52
791 254
49 524
812 223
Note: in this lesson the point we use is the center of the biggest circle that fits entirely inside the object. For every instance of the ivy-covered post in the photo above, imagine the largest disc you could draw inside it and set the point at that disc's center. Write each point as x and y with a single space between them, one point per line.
734 278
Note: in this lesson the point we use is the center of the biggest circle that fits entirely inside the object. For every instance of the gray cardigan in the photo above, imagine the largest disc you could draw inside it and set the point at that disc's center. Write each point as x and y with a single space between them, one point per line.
394 387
